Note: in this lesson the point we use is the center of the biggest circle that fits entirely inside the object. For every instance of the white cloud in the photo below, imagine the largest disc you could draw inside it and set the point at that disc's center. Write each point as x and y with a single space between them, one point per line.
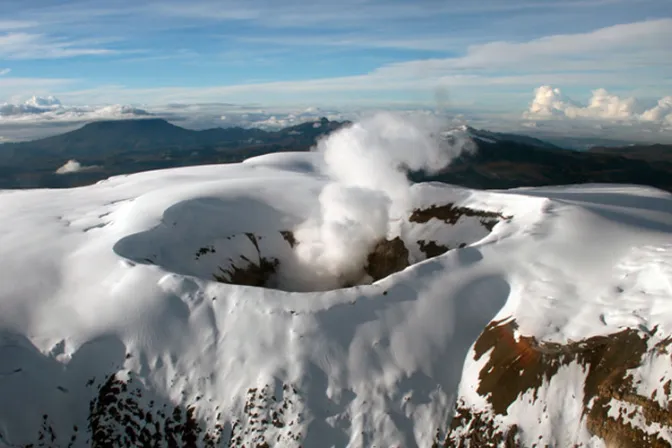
4 71
296 13
8 25
619 46
15 90
340 91
549 102
275 120
618 55
39 102
24 45
602 44
347 13
662 112
73 166
50 108
13 86
202 116
605 105
432 43
35 105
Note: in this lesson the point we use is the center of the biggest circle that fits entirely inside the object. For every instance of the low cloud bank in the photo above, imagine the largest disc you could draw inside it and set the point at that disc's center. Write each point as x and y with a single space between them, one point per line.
230 115
47 109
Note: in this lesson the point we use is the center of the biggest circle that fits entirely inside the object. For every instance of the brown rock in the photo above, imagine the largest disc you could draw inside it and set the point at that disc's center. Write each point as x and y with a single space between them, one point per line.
386 258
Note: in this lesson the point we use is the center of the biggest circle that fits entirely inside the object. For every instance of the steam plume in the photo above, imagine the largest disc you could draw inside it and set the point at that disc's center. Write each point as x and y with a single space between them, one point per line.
367 164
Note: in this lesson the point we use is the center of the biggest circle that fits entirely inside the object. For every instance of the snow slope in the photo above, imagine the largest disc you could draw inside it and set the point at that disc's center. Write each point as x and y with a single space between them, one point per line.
113 330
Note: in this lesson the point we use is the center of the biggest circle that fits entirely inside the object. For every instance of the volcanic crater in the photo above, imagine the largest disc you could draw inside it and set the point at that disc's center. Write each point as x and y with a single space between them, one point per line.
198 244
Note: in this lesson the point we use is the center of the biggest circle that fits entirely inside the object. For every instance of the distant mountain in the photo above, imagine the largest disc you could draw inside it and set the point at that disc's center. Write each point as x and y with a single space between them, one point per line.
127 146
503 160
107 138
509 161
643 152
494 137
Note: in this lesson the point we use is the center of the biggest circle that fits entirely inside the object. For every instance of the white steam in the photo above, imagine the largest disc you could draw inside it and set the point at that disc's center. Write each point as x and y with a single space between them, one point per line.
368 191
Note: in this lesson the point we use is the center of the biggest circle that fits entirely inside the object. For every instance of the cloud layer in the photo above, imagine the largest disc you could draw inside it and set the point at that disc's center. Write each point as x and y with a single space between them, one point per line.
661 112
24 45
473 66
549 102
210 115
50 108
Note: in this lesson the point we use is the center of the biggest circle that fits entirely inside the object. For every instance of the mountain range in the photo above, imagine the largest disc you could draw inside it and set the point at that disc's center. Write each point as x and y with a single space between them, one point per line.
108 148
503 160
509 161
108 138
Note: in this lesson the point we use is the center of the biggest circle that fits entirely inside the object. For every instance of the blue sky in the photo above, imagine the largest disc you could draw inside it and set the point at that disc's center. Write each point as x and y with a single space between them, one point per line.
485 55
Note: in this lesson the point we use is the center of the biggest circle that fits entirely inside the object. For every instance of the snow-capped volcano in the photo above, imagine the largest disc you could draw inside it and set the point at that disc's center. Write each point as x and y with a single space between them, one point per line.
161 309
481 136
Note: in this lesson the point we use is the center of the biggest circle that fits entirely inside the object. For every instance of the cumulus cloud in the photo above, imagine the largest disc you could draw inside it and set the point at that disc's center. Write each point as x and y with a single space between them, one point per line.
73 166
34 105
50 108
5 71
549 102
662 112
49 102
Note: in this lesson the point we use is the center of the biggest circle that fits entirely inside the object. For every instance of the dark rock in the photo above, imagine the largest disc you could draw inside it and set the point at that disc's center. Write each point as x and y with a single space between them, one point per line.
386 258
450 214
432 249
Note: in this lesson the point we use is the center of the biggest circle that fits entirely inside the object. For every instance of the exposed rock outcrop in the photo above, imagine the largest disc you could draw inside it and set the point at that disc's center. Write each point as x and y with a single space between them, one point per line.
518 364
386 258
450 214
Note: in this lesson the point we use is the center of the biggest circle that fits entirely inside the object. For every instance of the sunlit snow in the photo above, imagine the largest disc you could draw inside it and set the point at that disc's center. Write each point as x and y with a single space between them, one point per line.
107 278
